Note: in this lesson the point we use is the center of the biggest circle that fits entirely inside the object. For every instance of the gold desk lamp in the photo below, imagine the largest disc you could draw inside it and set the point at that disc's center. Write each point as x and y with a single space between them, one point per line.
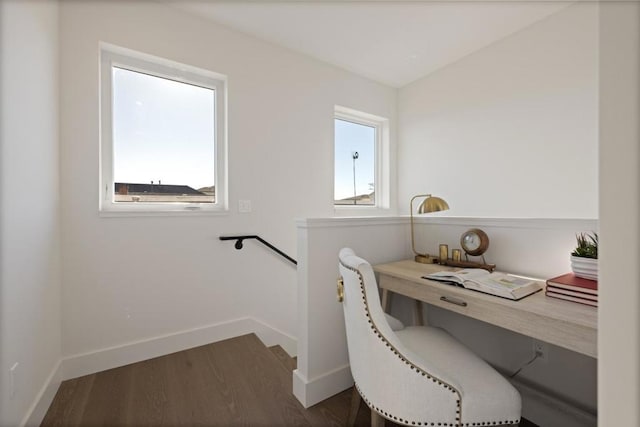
428 205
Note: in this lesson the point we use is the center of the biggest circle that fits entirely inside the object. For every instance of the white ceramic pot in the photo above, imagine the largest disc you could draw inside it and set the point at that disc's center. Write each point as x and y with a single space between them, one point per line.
586 268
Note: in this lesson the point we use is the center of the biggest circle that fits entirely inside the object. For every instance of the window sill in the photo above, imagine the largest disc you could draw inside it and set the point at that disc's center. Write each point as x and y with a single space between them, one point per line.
351 211
168 212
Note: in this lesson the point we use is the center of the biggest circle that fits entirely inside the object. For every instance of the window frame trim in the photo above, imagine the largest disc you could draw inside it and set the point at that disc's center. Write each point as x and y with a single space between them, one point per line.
381 158
115 56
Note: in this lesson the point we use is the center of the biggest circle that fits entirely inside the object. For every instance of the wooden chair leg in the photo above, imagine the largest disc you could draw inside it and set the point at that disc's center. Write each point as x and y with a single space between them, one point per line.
377 420
385 302
418 319
355 406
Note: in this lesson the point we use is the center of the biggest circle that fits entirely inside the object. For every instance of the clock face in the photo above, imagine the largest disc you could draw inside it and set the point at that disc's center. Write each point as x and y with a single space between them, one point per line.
471 241
474 242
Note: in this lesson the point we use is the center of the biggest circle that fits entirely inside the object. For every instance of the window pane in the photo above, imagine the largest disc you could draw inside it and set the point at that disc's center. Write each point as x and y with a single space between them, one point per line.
163 139
354 163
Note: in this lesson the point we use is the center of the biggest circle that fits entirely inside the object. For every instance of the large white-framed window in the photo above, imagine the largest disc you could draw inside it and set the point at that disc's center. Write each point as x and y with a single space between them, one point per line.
361 161
163 144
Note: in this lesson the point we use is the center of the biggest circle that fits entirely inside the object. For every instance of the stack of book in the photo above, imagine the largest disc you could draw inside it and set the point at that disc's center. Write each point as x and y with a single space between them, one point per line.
572 288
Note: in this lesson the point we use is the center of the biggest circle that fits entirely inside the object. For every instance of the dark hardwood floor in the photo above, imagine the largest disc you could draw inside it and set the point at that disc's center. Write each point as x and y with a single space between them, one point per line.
236 382
229 383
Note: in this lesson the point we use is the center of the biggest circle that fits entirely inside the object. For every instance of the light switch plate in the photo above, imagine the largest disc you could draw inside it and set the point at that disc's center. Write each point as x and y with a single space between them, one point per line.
244 206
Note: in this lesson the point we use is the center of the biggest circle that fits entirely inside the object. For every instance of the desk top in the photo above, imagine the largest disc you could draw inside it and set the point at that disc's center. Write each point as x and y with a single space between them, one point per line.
563 323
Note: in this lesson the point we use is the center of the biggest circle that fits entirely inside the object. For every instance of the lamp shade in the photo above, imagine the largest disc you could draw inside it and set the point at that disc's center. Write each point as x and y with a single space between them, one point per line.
428 205
432 204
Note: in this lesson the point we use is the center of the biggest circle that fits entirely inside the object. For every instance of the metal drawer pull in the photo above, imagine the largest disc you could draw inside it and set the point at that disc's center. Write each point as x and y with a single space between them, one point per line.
454 301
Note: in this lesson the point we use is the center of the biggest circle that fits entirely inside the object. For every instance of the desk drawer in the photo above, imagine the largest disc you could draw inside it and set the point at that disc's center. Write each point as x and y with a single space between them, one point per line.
449 297
522 316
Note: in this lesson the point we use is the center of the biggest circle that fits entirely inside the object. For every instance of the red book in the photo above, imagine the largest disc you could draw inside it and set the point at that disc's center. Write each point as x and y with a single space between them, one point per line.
574 283
551 288
570 298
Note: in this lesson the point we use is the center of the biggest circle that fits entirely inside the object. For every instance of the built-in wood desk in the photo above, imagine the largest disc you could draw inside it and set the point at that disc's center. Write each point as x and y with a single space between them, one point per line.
562 323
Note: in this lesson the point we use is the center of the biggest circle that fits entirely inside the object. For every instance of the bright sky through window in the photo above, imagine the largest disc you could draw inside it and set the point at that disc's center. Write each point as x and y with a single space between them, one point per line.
163 130
353 138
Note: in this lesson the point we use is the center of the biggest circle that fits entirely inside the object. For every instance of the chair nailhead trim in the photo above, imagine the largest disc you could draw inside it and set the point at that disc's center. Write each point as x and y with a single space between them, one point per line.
418 371
493 423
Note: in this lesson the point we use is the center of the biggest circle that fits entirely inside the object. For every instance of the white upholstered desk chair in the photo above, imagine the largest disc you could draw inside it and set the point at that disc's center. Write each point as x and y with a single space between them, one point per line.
416 375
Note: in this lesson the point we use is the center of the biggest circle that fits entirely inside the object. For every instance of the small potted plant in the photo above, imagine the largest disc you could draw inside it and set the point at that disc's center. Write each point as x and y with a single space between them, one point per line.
584 258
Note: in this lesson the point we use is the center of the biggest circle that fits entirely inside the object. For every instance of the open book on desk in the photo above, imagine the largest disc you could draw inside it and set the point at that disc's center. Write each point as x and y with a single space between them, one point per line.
499 284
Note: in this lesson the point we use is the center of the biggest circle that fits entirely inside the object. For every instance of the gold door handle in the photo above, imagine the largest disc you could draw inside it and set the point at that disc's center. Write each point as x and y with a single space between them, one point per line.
340 289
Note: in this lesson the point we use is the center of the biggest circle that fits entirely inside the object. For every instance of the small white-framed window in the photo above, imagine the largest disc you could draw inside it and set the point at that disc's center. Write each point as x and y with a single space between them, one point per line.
163 142
361 164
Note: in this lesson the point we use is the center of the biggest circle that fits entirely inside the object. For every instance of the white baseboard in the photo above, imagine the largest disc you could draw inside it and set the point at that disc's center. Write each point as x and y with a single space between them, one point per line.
538 406
113 357
41 403
310 392
549 411
272 336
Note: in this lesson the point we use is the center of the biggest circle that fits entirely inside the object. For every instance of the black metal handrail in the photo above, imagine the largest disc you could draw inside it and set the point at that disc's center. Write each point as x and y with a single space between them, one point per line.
240 239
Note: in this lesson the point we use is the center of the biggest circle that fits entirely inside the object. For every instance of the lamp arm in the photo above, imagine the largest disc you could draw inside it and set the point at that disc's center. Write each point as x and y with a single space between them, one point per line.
413 243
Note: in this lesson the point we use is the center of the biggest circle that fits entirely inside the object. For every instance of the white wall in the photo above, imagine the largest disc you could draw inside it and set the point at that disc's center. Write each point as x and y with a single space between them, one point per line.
29 218
512 129
537 247
619 321
106 306
128 280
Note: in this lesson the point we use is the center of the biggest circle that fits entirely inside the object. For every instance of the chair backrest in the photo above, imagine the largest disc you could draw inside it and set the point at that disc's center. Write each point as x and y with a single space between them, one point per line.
361 300
381 365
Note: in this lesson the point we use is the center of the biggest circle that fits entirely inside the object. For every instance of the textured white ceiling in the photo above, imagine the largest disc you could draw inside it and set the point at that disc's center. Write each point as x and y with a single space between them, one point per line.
392 42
